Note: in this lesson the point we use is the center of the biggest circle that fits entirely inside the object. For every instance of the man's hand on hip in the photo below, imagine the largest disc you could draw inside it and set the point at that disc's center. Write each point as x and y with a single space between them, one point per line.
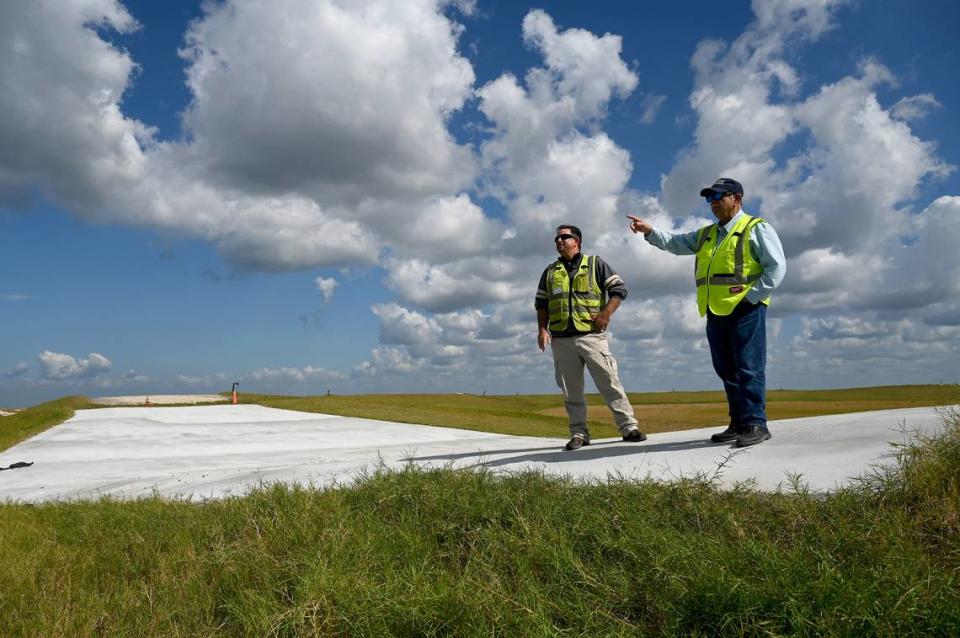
600 322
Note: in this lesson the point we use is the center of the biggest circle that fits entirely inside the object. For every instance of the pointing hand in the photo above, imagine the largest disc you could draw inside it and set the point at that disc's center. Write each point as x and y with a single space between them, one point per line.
638 225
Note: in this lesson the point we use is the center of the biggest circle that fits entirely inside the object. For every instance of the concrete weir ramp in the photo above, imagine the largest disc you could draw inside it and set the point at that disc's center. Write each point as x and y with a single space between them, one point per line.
205 452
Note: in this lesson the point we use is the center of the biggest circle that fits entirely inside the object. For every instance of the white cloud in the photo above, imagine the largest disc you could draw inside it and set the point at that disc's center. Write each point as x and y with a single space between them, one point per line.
14 297
914 107
56 366
872 349
61 102
339 100
447 229
291 374
387 361
538 160
544 161
468 283
581 68
326 286
788 18
311 124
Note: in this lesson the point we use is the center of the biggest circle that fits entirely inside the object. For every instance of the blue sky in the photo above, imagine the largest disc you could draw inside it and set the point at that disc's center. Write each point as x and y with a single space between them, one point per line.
359 195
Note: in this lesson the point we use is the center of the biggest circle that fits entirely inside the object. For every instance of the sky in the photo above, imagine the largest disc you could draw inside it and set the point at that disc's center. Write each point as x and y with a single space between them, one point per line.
303 196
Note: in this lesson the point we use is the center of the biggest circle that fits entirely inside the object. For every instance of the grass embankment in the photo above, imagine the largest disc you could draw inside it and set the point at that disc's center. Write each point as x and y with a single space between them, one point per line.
543 415
30 421
420 553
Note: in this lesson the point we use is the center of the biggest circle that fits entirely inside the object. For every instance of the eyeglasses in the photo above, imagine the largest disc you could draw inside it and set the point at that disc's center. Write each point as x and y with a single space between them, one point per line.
564 237
716 197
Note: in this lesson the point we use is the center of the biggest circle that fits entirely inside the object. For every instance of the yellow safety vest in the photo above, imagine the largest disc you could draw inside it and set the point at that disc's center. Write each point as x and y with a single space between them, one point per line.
724 273
582 299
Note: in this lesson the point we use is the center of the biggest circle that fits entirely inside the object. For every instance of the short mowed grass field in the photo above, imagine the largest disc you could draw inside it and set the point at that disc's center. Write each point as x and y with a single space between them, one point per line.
544 415
468 553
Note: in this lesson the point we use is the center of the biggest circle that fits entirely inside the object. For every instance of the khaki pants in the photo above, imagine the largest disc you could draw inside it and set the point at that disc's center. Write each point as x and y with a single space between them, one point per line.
569 356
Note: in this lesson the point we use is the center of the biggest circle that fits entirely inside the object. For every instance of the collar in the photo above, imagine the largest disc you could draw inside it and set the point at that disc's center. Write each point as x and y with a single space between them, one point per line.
730 224
572 263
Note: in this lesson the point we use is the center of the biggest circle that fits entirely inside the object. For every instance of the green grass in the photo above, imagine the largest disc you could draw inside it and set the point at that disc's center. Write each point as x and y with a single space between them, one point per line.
431 553
543 415
31 421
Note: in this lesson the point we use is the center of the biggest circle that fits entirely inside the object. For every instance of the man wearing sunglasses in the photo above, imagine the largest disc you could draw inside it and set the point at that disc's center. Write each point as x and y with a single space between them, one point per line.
739 262
576 297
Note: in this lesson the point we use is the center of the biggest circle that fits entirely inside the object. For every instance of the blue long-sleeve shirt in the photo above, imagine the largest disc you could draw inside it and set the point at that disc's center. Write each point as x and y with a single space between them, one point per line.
764 245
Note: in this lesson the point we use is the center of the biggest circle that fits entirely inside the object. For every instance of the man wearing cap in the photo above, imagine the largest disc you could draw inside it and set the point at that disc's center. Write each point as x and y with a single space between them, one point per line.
576 297
739 262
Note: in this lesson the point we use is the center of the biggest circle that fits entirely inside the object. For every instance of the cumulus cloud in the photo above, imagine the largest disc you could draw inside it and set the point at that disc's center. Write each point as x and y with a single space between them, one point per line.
444 287
326 286
309 123
448 229
872 349
546 163
63 86
339 100
55 366
291 374
457 350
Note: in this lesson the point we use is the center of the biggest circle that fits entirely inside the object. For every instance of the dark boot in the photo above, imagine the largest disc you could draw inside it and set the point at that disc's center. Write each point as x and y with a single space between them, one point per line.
730 434
752 436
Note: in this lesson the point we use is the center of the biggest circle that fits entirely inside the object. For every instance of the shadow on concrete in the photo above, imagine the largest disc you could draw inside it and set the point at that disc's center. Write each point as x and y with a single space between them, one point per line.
456 456
556 454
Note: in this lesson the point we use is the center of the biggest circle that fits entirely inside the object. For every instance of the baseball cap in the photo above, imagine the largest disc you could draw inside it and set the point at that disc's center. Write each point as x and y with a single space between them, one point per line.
723 185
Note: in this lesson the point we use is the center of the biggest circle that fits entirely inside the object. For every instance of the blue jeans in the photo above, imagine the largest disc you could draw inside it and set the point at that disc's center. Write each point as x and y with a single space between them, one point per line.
738 347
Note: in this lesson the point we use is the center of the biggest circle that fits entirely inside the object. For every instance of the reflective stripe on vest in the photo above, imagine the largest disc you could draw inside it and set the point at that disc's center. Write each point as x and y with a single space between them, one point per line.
724 273
582 299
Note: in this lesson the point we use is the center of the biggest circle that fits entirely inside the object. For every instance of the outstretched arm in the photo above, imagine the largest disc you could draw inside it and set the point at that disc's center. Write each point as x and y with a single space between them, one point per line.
638 225
680 244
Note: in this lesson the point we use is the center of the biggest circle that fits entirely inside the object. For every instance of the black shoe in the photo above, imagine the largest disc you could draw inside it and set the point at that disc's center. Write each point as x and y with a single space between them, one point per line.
753 436
634 436
729 434
576 442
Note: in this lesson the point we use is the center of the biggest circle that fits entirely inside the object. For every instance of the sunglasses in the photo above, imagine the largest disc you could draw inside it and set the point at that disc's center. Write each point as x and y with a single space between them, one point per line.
564 237
716 197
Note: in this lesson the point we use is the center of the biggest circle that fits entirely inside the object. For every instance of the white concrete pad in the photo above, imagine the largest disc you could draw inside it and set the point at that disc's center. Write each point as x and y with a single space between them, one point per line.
216 451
